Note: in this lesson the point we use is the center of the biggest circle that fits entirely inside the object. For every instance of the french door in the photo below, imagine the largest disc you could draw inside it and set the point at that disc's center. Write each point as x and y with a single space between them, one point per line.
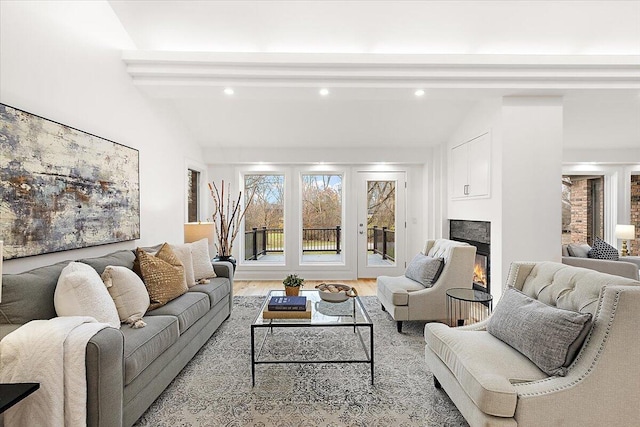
381 224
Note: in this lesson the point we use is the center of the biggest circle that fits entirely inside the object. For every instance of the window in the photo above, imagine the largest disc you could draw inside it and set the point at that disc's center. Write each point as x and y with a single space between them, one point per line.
582 208
321 218
193 196
264 218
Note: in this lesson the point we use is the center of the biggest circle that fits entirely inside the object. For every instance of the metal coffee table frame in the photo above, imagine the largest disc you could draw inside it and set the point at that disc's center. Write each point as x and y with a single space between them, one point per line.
318 320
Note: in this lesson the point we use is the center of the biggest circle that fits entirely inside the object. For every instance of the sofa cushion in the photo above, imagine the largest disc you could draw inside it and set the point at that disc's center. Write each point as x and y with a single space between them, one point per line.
424 269
29 296
123 258
128 293
578 250
484 366
603 250
396 289
548 336
202 268
81 292
188 308
143 345
163 275
183 252
217 289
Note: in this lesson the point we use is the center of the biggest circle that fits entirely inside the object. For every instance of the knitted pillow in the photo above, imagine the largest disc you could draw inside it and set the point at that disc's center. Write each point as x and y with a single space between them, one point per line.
424 269
549 336
163 275
128 293
603 250
80 292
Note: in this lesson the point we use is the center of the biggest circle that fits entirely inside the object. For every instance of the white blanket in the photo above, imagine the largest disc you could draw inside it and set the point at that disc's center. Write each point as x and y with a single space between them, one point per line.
52 353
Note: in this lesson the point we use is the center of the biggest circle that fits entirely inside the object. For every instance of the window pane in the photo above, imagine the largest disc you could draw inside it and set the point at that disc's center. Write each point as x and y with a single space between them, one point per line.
321 218
381 222
264 218
193 179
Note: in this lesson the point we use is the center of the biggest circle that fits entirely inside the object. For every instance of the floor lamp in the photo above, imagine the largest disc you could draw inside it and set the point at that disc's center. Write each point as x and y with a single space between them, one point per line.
625 232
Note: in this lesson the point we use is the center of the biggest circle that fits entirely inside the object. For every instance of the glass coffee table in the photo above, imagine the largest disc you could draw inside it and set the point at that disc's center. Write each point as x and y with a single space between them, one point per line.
350 315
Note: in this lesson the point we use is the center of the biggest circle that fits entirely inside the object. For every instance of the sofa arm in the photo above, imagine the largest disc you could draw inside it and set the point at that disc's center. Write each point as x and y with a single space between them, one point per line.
225 269
600 384
105 378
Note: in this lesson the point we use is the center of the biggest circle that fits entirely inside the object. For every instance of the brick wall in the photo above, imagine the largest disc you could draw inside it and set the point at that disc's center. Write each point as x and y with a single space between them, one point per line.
579 211
634 245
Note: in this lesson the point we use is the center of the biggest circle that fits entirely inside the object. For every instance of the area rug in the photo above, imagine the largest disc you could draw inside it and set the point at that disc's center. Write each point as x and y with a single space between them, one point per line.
214 389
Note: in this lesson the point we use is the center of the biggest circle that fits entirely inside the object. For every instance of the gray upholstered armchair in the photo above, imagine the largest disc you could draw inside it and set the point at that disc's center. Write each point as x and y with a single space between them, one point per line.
406 299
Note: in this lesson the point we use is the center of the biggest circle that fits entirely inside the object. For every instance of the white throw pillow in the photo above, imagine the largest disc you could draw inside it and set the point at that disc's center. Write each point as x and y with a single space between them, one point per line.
80 292
128 293
183 252
202 268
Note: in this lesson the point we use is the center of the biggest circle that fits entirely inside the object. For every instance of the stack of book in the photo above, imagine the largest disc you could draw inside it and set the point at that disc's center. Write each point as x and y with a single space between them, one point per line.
287 308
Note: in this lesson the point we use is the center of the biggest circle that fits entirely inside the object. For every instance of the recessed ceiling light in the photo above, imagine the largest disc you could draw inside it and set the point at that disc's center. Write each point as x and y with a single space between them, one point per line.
419 92
228 91
324 91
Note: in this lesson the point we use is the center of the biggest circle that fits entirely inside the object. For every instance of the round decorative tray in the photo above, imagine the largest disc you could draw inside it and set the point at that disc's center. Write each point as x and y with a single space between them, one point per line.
335 292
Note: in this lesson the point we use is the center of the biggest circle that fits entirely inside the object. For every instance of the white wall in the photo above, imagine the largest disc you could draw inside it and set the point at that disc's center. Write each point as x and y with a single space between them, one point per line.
485 117
526 166
531 176
63 62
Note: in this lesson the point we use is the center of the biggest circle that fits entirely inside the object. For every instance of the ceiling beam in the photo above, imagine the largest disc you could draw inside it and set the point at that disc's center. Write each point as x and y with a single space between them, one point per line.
188 69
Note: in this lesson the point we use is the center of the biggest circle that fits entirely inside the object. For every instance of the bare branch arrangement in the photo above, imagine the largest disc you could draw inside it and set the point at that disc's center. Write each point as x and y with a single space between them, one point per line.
227 216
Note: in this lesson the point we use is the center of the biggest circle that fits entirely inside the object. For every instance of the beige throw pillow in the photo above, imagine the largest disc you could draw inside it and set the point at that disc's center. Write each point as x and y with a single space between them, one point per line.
202 268
128 293
80 292
183 252
163 275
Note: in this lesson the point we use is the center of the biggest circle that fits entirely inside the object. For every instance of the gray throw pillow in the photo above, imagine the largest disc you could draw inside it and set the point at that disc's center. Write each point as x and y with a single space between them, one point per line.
550 337
603 250
579 250
424 269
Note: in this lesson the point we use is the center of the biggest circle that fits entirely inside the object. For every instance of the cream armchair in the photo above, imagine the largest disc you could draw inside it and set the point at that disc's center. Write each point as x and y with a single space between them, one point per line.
406 299
492 384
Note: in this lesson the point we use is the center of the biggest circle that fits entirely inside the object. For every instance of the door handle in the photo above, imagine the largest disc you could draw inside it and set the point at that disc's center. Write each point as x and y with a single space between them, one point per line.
361 232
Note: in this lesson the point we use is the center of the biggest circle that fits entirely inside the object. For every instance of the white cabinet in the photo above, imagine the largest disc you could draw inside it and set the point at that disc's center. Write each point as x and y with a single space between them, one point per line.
471 168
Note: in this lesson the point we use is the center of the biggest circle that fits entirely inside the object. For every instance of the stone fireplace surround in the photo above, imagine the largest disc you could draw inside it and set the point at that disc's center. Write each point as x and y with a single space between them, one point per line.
478 234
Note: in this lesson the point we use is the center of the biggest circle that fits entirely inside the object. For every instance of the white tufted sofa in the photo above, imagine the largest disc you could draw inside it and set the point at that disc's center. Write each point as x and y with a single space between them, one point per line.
493 384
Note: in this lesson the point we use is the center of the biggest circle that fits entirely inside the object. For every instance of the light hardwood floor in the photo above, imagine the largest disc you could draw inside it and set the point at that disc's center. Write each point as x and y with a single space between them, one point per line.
365 287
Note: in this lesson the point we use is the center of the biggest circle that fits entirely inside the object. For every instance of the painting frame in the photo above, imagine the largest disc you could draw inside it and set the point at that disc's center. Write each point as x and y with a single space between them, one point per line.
63 188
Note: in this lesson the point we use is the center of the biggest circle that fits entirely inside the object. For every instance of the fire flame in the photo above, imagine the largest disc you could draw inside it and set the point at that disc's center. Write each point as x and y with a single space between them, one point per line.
479 274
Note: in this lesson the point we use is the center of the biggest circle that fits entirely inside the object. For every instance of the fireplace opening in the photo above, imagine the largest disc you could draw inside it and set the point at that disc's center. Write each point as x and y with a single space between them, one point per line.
478 234
480 271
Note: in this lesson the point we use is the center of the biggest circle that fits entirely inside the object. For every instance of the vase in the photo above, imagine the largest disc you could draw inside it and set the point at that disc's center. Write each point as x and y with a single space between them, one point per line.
227 258
292 291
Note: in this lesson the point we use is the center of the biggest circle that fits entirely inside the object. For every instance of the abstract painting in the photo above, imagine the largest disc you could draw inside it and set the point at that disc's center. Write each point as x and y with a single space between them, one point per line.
63 188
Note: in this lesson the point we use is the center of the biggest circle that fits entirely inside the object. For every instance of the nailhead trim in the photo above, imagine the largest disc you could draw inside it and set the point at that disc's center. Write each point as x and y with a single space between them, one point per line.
580 355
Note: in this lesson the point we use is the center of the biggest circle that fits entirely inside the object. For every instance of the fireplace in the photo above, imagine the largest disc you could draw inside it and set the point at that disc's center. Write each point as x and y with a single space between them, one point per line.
478 234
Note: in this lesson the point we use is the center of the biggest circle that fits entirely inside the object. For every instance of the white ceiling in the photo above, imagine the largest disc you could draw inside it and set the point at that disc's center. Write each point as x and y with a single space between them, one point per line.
290 113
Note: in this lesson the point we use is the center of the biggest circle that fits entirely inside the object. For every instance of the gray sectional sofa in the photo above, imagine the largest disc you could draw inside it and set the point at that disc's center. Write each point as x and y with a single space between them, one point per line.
127 369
